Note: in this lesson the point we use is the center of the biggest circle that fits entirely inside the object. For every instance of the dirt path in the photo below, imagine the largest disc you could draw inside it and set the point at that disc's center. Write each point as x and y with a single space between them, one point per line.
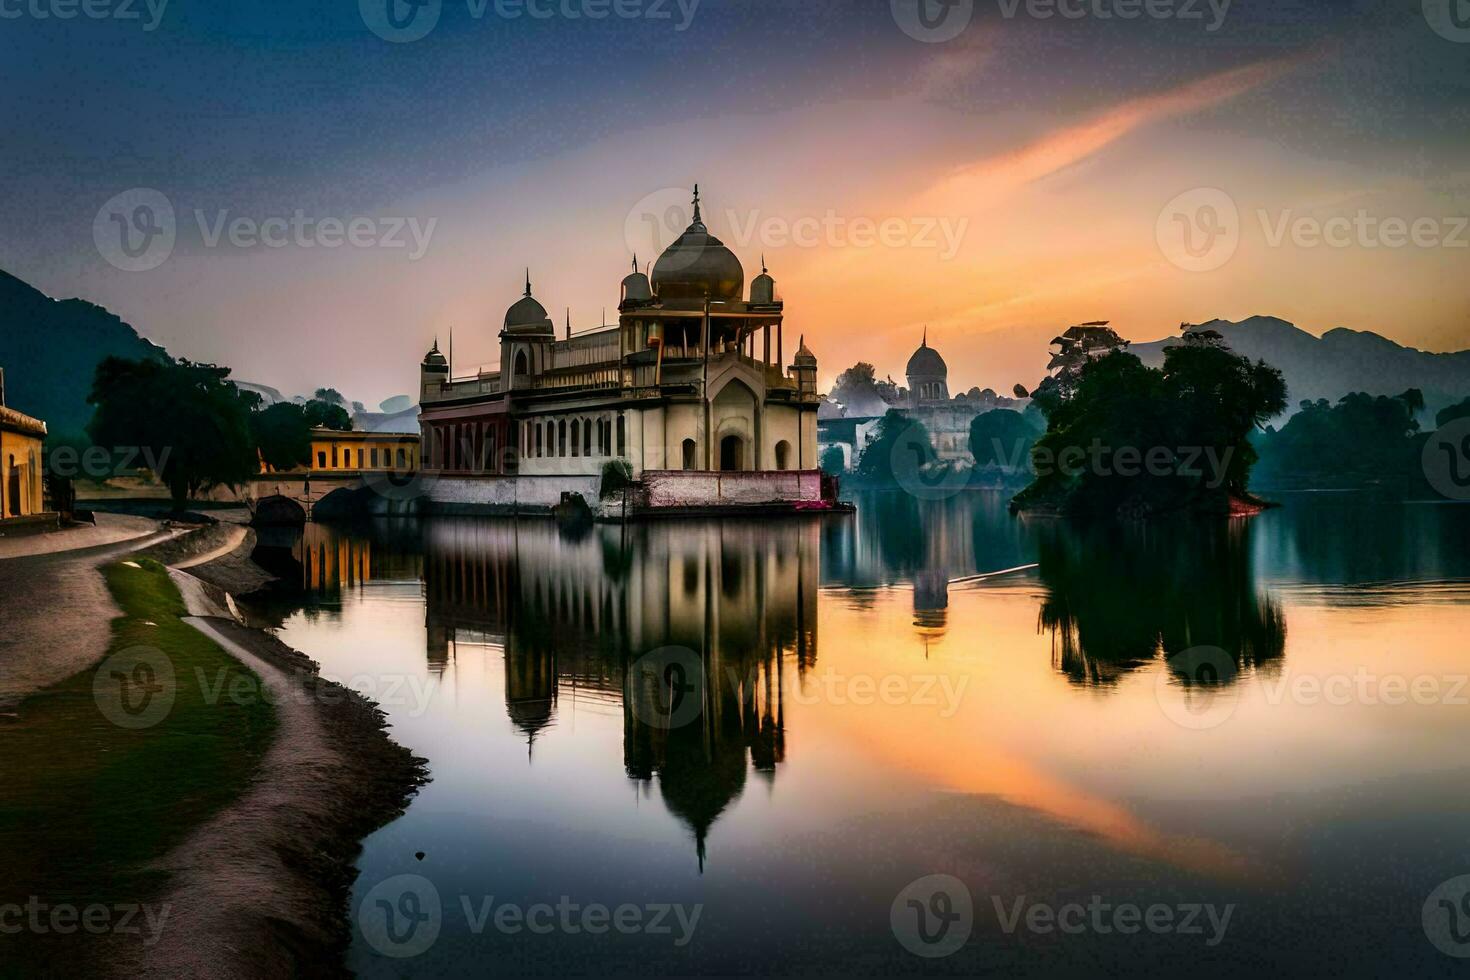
261 889
237 907
54 607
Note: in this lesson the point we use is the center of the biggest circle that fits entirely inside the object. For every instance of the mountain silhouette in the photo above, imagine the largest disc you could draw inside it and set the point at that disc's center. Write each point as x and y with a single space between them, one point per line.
1338 362
50 349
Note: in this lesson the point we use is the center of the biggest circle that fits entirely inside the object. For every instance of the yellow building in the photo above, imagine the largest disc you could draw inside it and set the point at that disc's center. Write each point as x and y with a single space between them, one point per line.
359 452
21 438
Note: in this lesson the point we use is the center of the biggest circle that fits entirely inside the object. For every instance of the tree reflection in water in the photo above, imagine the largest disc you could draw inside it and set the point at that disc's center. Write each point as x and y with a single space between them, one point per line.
1119 596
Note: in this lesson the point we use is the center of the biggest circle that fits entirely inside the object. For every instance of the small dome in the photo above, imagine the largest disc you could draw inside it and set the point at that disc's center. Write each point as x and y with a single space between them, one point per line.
698 264
435 359
763 287
926 363
526 315
635 286
804 357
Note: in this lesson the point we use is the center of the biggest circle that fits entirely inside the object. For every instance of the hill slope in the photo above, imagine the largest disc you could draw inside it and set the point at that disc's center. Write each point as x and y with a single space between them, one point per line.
50 350
1338 362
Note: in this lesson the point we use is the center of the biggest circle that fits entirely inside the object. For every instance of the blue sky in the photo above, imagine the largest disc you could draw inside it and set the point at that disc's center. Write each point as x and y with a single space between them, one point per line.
528 140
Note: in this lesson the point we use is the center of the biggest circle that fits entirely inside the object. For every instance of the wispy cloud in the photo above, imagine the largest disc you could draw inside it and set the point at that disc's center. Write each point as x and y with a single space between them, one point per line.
994 178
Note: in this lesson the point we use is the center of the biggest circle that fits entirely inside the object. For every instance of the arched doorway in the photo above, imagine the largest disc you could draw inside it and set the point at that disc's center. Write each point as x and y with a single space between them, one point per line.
689 458
732 453
783 455
14 492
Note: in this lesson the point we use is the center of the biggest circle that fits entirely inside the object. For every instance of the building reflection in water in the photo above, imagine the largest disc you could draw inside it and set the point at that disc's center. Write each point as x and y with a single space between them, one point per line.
573 614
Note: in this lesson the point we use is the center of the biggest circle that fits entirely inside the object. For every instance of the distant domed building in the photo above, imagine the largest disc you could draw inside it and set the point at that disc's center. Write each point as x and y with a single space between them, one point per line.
927 374
927 399
692 377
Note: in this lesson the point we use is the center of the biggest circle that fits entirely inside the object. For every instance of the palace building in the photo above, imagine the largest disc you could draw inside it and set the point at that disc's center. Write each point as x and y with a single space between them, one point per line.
21 439
692 387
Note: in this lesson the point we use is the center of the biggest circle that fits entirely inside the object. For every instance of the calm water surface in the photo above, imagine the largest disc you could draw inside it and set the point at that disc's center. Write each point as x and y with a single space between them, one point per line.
787 722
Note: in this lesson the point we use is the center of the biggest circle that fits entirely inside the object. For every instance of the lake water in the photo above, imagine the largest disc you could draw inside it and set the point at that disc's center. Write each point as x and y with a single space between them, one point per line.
782 725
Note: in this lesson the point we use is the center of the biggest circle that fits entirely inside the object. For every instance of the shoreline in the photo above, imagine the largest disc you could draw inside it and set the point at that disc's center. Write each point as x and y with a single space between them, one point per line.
273 870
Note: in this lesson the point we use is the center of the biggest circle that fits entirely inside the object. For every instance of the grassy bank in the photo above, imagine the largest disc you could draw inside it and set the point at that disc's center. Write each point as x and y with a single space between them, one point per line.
87 801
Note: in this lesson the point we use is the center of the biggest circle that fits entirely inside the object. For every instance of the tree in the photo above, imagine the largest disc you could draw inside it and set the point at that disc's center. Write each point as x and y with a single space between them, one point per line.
193 420
832 461
1077 347
331 396
282 436
1219 398
857 390
1138 439
901 447
322 414
1362 439
1001 437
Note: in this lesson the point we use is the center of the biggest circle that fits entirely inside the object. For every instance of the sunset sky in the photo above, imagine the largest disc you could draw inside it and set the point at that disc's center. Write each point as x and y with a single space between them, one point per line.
1026 174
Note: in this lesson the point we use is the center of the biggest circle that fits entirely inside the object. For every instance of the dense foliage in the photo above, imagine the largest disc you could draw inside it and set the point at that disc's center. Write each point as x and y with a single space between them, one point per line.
832 461
194 421
1002 437
860 393
195 428
900 449
1122 437
283 436
1361 439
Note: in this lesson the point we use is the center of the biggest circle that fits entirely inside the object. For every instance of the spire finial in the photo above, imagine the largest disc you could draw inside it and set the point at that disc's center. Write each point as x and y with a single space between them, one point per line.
528 280
763 263
569 323
696 203
925 342
635 261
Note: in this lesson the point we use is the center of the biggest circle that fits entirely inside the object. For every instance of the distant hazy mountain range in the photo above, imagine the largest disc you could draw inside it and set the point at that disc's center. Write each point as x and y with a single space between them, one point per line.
50 350
1338 362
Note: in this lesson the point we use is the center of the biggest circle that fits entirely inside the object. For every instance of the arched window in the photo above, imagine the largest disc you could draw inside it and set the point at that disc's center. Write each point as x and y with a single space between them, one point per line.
576 437
622 436
521 365
783 455
561 437
402 460
689 449
587 438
